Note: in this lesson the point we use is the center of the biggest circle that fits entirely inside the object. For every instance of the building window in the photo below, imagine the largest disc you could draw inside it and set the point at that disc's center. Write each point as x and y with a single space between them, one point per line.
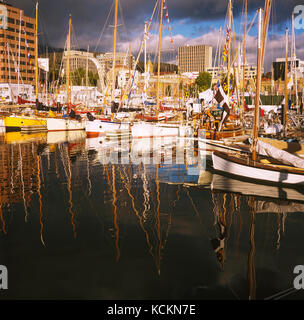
30 25
10 20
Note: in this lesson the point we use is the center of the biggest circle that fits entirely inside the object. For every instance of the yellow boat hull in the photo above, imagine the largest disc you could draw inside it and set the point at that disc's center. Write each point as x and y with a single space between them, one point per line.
16 123
19 137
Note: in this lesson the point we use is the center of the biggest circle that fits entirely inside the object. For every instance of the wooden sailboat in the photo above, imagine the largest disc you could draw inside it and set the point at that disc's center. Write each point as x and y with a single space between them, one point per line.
97 127
267 169
57 122
152 124
30 123
215 129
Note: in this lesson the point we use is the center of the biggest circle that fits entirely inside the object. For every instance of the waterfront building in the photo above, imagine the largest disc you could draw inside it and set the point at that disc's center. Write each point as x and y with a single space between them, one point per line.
279 68
15 26
122 60
81 60
250 72
194 58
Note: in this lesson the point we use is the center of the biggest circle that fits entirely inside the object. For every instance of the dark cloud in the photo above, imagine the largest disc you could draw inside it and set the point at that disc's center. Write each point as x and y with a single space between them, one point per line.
89 16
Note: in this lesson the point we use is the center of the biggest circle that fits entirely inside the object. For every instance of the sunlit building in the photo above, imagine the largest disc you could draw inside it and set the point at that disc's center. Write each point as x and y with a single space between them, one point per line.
194 58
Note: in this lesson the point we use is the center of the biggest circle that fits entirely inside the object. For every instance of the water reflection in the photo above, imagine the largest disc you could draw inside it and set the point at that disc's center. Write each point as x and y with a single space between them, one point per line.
206 235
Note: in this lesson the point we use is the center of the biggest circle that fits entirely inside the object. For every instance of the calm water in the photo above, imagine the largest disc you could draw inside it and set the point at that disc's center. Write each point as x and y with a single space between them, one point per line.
73 225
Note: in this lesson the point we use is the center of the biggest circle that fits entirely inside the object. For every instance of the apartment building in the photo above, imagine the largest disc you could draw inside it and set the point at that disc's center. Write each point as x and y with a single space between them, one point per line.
194 58
17 45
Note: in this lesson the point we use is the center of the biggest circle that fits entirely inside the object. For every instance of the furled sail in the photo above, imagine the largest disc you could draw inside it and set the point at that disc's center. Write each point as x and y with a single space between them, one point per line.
285 157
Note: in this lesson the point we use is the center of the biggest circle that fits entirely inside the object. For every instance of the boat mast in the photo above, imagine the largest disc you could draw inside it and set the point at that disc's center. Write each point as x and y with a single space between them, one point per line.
19 45
114 51
130 59
229 47
265 27
68 62
87 77
244 57
159 51
36 52
286 81
293 48
54 62
145 44
258 86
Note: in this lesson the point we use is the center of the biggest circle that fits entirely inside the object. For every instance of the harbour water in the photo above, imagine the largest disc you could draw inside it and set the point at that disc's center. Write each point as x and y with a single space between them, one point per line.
74 225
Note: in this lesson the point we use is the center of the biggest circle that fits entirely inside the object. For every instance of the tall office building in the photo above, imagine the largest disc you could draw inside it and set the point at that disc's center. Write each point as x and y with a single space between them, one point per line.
17 31
194 58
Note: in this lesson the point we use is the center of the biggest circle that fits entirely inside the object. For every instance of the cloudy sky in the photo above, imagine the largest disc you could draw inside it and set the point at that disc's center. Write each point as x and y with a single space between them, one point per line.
191 22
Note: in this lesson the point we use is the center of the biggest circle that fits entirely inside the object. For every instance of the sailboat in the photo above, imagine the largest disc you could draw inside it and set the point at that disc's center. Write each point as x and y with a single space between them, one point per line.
55 122
156 125
218 127
96 127
17 122
289 169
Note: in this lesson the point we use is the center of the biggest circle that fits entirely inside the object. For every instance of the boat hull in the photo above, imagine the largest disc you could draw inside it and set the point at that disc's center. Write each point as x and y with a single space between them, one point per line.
156 130
15 123
56 124
226 165
100 127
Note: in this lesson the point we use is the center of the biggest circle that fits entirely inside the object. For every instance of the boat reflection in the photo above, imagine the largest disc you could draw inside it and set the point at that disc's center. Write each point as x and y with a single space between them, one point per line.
152 202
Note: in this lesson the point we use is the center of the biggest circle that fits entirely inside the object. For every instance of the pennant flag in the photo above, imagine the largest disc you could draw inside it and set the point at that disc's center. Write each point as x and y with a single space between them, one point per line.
222 99
290 83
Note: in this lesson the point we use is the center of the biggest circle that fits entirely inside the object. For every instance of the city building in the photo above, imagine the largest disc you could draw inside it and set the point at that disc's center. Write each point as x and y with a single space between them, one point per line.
194 58
122 60
15 26
279 68
250 72
86 61
80 60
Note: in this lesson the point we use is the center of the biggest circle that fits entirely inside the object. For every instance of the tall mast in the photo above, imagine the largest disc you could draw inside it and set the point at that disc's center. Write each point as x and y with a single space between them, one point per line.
114 50
68 62
286 81
36 52
244 58
145 41
19 45
54 63
258 86
293 48
159 50
130 59
229 46
265 26
87 77
87 68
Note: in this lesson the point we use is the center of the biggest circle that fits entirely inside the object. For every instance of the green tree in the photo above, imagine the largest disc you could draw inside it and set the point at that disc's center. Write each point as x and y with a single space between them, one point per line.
203 81
79 77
